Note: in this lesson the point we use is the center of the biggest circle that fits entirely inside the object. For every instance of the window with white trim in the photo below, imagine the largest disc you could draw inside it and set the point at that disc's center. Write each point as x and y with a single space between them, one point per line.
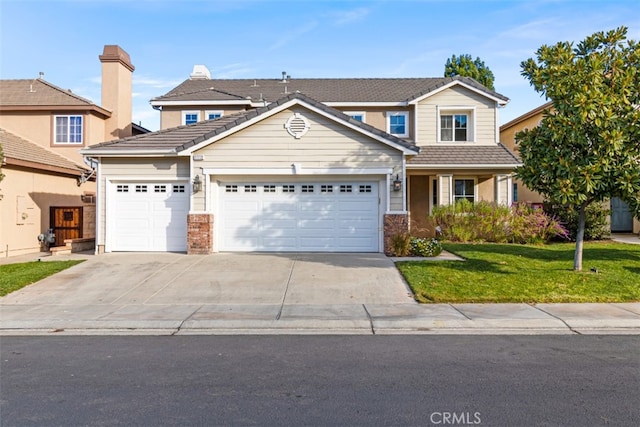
211 115
464 189
190 117
358 115
398 123
68 130
456 124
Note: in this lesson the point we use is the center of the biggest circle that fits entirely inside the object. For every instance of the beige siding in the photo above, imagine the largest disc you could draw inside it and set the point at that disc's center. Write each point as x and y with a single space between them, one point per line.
267 144
484 120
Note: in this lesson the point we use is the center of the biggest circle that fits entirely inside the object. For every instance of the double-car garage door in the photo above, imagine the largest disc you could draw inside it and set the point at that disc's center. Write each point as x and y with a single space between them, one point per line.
287 217
305 217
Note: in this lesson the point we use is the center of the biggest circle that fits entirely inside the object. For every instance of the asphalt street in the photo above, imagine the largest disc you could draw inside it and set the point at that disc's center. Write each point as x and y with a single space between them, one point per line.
320 380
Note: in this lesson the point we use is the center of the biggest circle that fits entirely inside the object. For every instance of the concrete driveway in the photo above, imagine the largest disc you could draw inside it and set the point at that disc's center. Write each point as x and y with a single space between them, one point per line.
165 290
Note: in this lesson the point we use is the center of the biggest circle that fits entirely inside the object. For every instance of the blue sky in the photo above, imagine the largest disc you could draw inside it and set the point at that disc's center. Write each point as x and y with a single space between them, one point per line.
262 38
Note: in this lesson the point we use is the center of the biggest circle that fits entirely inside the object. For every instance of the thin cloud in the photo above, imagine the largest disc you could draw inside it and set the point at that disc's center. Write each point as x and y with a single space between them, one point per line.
350 16
293 35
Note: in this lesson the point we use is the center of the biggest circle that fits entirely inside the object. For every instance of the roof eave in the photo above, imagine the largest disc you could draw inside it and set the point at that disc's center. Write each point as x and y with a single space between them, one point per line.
464 166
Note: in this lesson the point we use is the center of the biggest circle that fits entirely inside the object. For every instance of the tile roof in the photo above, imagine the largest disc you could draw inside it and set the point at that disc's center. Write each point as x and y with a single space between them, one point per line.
464 155
349 90
183 137
15 147
37 92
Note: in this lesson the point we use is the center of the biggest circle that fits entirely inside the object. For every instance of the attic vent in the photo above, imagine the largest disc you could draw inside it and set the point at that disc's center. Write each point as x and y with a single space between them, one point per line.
297 125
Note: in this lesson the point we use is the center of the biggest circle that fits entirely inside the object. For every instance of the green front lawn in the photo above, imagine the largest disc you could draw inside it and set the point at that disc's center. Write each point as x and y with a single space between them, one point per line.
17 276
527 273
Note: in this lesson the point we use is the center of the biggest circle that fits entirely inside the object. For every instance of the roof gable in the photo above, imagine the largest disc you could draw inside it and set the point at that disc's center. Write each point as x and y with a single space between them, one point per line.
465 82
183 140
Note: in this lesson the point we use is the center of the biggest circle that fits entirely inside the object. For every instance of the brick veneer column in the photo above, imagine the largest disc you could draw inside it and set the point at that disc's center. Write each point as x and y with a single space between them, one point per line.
394 224
199 234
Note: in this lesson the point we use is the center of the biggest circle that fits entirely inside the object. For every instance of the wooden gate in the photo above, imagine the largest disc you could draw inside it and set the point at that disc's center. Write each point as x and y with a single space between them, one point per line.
66 223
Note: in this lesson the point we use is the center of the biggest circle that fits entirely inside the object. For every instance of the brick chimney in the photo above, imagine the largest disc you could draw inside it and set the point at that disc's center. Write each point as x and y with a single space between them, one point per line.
117 72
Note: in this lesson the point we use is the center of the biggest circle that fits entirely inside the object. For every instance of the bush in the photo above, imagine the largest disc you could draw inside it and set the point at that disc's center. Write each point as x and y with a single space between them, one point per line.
425 247
401 244
489 222
596 223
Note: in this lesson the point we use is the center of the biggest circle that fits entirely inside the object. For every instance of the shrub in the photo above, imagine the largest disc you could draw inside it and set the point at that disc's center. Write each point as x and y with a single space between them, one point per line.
489 222
401 244
425 247
596 224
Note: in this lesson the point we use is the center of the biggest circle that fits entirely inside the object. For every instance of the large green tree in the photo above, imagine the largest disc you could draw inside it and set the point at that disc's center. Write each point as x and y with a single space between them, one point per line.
464 65
587 147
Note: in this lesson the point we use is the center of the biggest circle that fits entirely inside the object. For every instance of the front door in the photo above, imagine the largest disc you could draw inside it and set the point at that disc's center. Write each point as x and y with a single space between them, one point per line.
621 217
66 223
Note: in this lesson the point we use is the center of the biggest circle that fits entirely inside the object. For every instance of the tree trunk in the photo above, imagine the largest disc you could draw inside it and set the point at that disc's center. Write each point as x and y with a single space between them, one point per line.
577 258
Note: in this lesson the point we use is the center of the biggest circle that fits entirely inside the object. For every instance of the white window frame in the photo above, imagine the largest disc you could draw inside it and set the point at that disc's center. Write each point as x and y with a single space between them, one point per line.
220 113
390 114
469 111
68 130
353 114
186 113
464 178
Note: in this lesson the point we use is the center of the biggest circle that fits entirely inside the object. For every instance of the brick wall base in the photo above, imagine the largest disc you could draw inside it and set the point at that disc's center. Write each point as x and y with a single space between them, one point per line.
394 224
199 234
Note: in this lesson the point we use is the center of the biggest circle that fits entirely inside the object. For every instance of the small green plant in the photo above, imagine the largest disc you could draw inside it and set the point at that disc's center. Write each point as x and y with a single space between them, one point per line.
596 225
425 247
401 244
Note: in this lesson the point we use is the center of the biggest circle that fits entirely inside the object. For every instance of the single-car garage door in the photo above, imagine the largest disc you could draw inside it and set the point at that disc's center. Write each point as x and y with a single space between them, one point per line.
305 217
149 217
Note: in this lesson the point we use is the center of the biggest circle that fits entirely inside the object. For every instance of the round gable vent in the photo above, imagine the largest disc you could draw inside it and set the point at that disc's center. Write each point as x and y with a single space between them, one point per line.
297 125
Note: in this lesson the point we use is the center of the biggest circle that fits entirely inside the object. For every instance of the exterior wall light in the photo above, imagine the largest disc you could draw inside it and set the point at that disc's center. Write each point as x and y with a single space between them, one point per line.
197 184
397 184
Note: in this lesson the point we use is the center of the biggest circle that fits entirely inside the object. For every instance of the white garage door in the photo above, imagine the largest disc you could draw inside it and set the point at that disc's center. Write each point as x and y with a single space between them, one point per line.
305 217
149 217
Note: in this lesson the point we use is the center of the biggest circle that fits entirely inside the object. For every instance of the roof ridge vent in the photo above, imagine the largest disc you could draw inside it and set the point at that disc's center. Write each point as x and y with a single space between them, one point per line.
200 72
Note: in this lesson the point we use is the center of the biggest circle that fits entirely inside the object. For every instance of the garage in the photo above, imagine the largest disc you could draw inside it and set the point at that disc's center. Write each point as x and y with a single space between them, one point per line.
302 216
148 216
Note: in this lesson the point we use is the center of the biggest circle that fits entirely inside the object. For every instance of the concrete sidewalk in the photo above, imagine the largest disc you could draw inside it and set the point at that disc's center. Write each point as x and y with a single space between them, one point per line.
174 294
206 319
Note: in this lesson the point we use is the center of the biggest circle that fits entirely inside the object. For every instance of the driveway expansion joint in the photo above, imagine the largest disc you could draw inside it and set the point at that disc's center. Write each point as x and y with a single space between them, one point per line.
373 330
286 288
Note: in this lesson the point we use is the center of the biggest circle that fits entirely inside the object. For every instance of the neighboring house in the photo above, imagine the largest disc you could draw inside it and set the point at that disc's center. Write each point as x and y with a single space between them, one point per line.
336 165
43 128
622 220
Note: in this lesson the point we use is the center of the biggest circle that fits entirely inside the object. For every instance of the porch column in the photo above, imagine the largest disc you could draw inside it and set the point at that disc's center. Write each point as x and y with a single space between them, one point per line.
445 190
503 189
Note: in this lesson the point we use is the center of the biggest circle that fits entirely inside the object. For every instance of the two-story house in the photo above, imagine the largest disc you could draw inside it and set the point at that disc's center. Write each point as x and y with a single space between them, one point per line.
47 184
621 218
299 164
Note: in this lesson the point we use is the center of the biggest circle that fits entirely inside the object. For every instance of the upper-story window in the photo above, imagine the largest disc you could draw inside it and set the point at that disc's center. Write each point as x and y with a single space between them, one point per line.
455 125
358 115
68 130
211 115
398 123
189 117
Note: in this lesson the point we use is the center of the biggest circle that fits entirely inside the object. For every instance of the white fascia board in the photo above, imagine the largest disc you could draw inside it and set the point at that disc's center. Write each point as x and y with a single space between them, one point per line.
365 104
300 171
474 167
200 102
454 83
